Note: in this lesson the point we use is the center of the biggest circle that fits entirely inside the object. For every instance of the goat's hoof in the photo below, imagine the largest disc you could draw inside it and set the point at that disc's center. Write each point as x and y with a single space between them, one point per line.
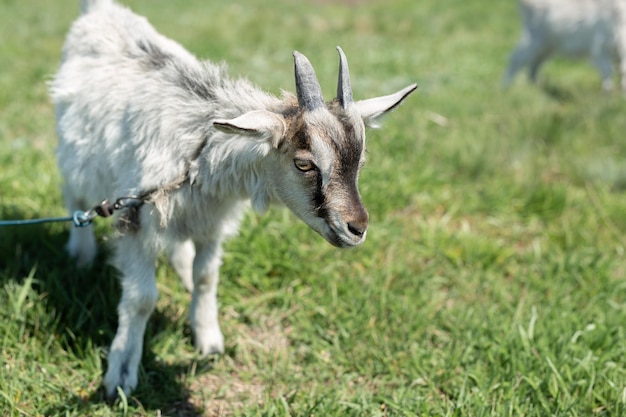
116 392
210 342
214 349
118 383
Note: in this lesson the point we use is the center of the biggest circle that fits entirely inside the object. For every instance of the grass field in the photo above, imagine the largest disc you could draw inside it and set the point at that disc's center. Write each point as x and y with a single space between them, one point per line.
492 282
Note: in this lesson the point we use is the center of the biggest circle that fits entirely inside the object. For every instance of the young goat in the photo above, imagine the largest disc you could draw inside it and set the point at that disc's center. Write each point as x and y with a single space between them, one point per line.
139 115
577 28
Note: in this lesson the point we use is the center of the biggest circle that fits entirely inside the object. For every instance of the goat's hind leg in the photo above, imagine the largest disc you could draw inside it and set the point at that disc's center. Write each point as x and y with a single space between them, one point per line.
139 295
604 63
203 315
528 53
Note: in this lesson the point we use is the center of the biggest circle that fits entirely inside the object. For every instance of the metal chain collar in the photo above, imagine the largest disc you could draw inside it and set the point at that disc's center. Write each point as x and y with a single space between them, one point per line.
104 209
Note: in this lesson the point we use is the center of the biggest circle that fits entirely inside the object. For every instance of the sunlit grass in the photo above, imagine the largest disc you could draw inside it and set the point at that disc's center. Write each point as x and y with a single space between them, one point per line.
492 280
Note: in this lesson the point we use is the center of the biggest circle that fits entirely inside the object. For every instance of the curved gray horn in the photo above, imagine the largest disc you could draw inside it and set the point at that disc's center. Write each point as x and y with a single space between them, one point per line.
307 87
344 90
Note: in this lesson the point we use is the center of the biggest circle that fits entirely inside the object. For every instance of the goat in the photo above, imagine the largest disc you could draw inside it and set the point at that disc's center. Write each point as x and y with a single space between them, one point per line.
576 28
135 111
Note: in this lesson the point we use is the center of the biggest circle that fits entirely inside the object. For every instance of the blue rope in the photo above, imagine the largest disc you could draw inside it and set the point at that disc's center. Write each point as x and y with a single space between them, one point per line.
79 218
35 221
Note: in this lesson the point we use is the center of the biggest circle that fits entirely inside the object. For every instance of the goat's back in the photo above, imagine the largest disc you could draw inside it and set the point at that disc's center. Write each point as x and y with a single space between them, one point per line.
121 116
572 27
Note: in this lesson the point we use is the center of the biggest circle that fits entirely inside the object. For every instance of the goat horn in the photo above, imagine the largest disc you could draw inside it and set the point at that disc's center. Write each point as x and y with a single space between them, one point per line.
344 90
307 87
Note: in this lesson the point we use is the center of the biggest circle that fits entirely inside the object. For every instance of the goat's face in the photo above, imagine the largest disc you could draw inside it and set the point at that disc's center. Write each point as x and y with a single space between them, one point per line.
319 149
317 173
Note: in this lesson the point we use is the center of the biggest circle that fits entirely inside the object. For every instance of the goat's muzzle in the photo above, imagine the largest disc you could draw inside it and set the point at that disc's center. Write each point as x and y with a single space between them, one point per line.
348 230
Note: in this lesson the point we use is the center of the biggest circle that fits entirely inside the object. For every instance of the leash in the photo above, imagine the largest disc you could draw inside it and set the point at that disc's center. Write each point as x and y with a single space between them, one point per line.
105 208
83 218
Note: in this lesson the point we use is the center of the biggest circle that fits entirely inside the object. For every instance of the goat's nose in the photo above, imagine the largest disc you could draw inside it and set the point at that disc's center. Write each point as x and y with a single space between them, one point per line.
357 228
358 224
357 219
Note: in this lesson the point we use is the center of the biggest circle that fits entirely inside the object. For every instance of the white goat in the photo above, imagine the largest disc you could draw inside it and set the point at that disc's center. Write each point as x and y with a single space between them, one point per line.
139 115
576 28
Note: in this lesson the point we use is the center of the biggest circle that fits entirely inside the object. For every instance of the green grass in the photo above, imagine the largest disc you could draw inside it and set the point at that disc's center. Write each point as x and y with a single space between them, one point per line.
492 282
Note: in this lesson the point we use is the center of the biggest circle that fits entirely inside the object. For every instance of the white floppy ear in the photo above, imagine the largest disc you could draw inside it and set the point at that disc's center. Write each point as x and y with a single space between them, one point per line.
257 123
372 109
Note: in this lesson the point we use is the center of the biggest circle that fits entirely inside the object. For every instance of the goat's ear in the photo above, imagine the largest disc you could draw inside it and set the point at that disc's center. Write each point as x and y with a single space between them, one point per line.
260 124
373 109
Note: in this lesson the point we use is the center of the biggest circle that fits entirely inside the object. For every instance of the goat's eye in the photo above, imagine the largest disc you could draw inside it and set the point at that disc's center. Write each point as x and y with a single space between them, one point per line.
303 165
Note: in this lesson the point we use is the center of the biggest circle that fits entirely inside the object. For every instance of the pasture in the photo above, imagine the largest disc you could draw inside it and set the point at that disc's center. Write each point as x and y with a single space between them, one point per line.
492 281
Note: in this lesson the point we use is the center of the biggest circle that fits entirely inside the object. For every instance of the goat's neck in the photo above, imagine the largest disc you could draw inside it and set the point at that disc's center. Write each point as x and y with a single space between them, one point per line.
233 167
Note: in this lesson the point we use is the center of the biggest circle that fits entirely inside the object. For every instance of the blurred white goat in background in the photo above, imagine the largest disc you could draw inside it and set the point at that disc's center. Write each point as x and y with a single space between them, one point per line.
594 29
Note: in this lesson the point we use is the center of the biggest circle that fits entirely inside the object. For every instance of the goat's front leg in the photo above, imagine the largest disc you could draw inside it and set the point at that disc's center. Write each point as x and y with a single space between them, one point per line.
203 314
181 256
136 264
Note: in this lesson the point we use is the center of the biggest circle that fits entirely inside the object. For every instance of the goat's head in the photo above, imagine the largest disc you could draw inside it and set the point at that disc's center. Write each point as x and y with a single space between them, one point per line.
319 149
